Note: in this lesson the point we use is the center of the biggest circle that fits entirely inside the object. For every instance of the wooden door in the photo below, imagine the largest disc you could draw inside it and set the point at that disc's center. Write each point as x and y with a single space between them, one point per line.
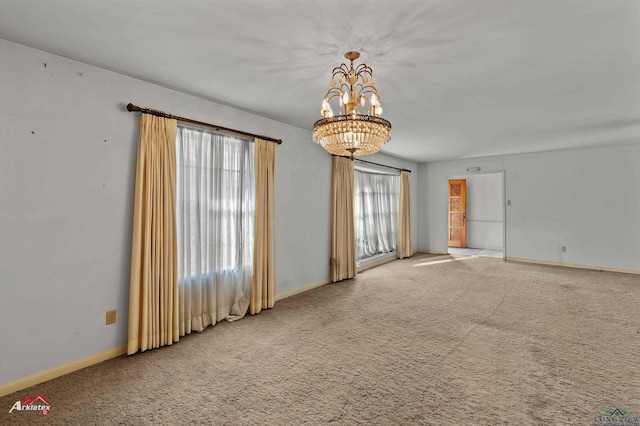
458 213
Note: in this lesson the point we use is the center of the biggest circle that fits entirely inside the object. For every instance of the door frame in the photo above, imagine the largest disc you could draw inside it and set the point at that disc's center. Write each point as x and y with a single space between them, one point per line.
464 175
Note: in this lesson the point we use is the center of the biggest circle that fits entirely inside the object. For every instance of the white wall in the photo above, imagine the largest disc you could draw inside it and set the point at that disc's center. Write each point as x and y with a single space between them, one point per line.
67 162
485 227
585 199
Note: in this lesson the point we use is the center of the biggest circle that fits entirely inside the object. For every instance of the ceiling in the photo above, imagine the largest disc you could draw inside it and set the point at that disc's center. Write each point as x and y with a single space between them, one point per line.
457 78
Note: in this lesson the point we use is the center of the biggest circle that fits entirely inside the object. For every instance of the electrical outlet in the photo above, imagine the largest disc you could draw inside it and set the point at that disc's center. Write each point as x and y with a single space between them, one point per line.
111 317
564 249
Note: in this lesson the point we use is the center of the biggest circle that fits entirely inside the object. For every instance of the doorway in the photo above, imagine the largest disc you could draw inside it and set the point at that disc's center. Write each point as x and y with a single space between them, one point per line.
476 219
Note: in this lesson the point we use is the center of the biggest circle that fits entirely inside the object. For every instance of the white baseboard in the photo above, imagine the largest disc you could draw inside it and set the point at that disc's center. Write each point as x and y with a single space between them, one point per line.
61 370
573 265
302 289
377 263
427 251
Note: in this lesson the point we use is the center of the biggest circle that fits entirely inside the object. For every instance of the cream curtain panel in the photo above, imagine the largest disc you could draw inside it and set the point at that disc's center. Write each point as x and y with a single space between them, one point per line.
263 289
153 297
343 233
405 243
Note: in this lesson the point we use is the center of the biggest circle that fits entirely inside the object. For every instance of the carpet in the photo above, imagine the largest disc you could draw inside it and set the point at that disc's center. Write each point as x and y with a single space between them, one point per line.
427 340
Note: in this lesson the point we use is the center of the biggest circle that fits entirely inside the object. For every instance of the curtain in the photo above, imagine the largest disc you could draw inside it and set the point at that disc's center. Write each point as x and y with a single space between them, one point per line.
405 244
153 293
215 221
343 246
263 288
376 213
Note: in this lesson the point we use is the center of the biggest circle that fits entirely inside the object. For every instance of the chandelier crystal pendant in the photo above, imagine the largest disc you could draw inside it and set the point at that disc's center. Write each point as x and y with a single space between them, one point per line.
352 133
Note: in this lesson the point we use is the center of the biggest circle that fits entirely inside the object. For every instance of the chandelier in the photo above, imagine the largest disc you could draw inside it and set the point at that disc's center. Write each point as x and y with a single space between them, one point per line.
352 133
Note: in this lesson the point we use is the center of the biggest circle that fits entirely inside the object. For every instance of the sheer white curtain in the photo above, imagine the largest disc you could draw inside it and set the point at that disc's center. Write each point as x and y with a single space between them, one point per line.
376 213
215 205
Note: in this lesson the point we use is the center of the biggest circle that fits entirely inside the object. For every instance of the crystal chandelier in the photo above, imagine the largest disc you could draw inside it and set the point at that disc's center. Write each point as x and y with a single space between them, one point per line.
352 133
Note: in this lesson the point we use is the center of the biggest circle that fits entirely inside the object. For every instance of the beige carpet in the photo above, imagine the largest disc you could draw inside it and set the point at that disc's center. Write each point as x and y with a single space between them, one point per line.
473 341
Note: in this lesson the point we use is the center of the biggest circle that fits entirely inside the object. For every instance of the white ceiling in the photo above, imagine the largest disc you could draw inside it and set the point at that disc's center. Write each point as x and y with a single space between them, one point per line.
461 78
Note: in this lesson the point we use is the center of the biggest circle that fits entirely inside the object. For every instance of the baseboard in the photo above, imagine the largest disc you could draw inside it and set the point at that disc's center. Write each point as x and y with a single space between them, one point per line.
378 262
61 370
573 265
302 289
427 251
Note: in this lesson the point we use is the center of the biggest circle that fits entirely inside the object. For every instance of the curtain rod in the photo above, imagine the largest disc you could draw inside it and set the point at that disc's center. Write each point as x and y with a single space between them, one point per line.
131 107
377 164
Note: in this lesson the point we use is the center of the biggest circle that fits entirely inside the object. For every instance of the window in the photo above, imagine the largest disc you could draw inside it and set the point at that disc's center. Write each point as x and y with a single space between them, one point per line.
214 200
376 213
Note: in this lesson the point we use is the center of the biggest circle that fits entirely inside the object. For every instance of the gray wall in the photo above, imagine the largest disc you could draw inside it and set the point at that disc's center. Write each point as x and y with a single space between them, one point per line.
67 162
585 199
